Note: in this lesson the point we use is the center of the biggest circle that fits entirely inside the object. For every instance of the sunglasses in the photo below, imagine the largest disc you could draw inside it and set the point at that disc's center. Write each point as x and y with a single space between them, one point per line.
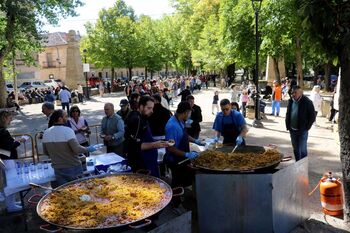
75 111
225 109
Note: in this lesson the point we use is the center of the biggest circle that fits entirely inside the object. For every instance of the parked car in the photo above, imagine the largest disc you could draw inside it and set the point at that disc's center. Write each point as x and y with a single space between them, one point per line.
137 78
9 87
59 82
51 83
33 84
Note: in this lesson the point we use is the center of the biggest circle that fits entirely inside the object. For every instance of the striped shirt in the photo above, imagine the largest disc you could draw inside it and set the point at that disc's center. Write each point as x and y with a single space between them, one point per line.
60 143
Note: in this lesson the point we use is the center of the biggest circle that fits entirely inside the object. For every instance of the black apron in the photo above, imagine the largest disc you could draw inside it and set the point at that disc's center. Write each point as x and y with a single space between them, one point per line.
150 157
230 132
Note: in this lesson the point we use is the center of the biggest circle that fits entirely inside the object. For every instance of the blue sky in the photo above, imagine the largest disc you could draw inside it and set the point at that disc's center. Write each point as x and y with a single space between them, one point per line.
89 12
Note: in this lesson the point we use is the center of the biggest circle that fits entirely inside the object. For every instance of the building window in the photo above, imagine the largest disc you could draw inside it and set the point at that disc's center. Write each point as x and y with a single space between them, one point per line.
49 60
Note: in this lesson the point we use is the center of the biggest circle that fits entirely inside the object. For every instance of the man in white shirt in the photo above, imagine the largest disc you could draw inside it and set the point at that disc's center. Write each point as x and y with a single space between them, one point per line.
65 97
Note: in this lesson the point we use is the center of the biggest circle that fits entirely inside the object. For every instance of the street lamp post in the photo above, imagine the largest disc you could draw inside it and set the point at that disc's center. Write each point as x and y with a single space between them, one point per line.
86 76
257 121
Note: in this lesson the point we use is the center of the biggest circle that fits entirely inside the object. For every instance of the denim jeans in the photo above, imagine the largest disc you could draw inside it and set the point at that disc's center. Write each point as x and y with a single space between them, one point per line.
65 106
64 175
299 143
276 106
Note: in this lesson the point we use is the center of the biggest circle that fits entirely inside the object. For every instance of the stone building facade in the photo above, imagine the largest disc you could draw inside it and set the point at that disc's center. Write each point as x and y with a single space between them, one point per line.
60 60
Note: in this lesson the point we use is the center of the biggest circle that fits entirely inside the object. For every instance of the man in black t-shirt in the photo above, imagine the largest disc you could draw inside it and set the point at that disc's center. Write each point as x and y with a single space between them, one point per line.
196 117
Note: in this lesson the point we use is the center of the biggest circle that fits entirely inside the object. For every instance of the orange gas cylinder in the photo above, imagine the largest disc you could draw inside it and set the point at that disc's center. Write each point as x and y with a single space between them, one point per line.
331 195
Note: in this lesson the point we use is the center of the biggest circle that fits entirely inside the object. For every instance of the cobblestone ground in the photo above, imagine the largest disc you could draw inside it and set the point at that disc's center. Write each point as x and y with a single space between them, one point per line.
322 148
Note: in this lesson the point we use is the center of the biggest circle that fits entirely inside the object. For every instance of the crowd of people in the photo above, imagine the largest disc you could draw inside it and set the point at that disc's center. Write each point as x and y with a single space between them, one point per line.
49 94
144 124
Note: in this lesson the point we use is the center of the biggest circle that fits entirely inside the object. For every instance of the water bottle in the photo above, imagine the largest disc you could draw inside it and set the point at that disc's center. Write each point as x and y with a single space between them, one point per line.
39 166
32 167
46 164
19 168
26 168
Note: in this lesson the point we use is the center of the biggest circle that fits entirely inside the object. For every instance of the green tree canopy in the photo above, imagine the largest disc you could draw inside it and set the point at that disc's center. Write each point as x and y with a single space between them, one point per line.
22 21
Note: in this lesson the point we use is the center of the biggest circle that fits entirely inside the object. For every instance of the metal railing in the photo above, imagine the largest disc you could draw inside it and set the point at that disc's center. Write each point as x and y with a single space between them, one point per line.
27 149
33 147
94 137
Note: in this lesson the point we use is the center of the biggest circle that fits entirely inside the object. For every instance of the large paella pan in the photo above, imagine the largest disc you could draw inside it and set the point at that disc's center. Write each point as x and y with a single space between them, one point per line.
244 159
115 200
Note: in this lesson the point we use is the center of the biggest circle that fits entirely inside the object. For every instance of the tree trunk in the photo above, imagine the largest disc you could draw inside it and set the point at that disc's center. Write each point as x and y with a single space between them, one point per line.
166 70
130 70
112 78
327 73
344 125
298 56
277 70
146 73
15 92
3 93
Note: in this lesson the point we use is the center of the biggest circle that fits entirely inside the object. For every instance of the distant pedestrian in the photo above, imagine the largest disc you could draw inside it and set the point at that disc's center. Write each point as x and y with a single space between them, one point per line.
109 87
215 103
276 98
299 119
80 93
65 97
316 99
186 92
244 101
234 93
49 97
101 88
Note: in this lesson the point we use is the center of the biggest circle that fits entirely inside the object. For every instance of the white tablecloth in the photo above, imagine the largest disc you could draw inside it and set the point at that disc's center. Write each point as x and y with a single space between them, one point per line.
19 182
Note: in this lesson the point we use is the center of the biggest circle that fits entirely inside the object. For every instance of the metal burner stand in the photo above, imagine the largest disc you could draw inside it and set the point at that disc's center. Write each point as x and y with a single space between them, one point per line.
274 202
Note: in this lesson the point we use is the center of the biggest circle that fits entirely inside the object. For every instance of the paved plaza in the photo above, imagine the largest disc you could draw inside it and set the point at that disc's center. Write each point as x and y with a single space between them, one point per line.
322 147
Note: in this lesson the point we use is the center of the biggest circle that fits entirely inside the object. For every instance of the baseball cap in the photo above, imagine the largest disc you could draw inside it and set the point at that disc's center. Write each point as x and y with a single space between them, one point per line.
123 102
